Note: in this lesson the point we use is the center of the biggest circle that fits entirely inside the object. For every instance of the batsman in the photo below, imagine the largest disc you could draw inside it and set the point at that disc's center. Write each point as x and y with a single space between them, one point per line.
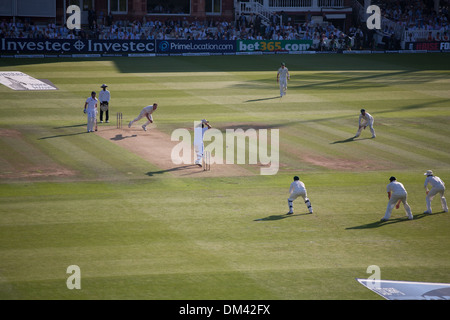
90 108
199 132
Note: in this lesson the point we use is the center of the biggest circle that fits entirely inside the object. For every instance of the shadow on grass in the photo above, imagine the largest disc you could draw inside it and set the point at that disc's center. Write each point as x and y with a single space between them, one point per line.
349 140
256 126
63 135
190 166
68 134
344 141
352 81
280 217
262 99
378 224
72 126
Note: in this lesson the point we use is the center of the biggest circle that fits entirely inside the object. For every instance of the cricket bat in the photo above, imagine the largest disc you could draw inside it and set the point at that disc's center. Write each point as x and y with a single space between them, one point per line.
95 123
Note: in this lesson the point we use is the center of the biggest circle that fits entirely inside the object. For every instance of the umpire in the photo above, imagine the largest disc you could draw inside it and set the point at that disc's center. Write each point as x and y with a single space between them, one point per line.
104 96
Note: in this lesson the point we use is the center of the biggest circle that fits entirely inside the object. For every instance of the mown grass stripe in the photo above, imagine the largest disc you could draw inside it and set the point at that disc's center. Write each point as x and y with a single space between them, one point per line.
387 149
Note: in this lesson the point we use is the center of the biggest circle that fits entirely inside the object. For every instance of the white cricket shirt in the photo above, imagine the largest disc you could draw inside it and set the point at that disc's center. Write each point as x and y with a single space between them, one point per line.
396 188
91 103
283 72
199 132
367 117
104 95
148 109
297 187
435 182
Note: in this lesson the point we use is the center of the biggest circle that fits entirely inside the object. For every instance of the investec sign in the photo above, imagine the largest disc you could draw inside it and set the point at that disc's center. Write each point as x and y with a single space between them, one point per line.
76 46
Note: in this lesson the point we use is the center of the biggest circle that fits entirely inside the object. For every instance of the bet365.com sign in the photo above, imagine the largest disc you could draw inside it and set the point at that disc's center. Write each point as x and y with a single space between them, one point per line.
273 45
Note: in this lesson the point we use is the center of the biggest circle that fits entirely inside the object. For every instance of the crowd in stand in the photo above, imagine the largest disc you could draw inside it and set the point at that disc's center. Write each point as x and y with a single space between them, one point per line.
412 15
418 15
249 27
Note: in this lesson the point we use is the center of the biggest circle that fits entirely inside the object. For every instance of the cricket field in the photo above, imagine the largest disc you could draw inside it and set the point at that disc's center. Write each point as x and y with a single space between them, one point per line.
140 227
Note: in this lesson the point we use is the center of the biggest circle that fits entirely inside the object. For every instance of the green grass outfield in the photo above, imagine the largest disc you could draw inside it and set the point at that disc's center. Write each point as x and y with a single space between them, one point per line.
72 198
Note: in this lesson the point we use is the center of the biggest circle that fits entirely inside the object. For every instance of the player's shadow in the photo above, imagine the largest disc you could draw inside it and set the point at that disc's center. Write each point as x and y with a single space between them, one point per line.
190 166
62 135
263 99
119 137
378 224
344 141
349 140
72 126
280 217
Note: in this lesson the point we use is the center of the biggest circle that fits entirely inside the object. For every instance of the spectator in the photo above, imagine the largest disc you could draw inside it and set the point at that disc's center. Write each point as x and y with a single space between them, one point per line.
410 38
154 28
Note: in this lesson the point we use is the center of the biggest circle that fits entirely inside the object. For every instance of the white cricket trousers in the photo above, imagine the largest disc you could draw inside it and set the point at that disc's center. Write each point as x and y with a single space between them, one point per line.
283 86
91 116
393 201
198 149
364 124
295 196
434 191
139 117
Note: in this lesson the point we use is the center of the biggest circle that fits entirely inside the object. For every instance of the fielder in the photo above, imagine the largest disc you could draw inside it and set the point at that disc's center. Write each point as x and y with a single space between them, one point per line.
146 112
437 187
297 189
199 132
282 78
396 192
365 119
104 96
90 108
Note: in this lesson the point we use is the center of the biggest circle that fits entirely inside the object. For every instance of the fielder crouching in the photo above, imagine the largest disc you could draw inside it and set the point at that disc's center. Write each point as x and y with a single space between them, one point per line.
437 188
297 189
365 119
396 192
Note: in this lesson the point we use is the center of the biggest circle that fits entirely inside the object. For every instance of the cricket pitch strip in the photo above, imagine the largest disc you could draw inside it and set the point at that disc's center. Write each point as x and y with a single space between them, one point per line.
156 147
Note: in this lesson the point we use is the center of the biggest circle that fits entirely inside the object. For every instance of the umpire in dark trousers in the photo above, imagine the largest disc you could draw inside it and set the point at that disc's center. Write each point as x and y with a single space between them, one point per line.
104 96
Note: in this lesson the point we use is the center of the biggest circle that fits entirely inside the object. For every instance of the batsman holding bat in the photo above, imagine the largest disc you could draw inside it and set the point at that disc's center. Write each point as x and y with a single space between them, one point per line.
90 108
199 131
